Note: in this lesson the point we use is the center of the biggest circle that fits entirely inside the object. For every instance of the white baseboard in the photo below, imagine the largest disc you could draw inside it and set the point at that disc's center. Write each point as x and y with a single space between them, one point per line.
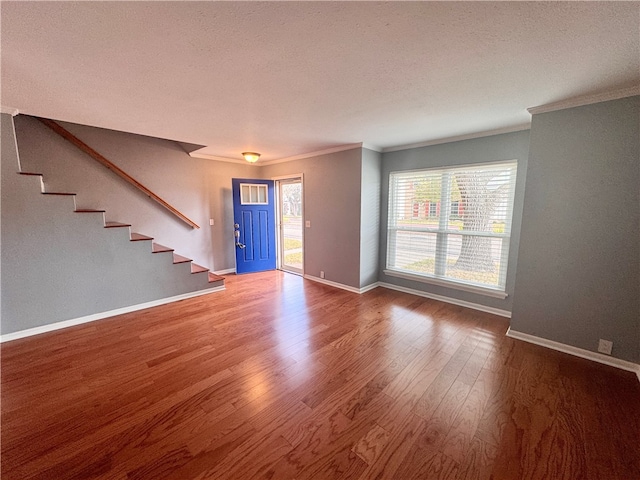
578 352
342 286
420 293
442 298
99 316
225 272
369 287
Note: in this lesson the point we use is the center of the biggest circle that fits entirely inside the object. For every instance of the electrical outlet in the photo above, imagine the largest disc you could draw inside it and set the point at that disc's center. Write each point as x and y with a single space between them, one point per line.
321 273
211 222
605 346
307 224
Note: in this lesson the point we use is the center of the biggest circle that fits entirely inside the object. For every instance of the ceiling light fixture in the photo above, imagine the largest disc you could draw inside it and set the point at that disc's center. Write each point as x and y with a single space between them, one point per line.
251 157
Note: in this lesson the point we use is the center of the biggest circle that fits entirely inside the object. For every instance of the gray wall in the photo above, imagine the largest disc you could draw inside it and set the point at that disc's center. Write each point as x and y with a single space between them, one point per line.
370 216
332 205
509 146
579 266
59 265
201 189
575 236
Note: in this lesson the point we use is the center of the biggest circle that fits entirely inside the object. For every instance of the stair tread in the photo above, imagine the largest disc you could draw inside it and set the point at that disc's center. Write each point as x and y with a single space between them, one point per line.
180 259
115 225
215 278
137 237
195 268
157 248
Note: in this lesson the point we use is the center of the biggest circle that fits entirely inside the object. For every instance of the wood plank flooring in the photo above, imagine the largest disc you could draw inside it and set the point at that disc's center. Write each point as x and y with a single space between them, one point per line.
282 378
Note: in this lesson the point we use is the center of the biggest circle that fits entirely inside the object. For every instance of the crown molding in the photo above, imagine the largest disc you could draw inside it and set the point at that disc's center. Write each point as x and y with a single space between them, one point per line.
375 148
339 148
586 100
261 163
469 136
206 156
9 110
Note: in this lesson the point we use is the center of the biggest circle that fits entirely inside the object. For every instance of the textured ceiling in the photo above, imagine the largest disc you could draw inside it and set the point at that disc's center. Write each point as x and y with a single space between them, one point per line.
286 78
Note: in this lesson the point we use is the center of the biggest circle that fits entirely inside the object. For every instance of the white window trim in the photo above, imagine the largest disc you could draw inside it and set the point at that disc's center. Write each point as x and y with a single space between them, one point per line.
497 292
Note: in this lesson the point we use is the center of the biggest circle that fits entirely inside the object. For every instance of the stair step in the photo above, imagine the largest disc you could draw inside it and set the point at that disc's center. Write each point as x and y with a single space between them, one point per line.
137 237
115 225
215 278
157 248
195 268
180 259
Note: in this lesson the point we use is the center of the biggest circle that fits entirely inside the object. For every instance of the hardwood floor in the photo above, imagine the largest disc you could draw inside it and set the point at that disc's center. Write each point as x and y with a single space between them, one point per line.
283 378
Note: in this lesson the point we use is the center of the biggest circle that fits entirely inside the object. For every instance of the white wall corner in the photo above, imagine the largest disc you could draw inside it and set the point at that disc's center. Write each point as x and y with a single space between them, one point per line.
575 351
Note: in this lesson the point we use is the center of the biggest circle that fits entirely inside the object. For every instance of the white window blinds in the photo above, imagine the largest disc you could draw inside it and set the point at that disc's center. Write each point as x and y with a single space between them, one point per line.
452 224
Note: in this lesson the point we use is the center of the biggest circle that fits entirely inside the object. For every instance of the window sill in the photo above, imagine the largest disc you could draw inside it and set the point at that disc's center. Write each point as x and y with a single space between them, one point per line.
488 292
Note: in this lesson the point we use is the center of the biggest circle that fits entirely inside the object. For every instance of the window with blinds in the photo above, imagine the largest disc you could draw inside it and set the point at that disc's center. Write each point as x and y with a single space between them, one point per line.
452 224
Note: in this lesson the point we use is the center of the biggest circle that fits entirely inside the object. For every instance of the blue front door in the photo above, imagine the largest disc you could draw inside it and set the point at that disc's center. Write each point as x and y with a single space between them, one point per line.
254 225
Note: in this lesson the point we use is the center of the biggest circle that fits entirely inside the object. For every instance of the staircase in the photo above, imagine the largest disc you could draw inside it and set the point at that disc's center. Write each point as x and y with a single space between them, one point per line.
63 265
69 265
209 279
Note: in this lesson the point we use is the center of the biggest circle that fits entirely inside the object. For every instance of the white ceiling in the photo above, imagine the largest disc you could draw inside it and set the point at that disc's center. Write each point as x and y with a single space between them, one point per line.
286 78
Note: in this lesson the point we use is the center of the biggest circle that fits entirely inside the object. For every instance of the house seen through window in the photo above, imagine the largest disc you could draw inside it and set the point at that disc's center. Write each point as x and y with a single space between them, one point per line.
452 224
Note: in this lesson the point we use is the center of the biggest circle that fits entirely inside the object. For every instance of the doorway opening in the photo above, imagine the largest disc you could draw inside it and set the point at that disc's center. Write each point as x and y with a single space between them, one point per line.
290 224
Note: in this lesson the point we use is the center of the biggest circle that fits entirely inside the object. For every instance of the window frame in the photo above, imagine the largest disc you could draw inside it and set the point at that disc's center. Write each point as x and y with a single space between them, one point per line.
261 191
441 231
